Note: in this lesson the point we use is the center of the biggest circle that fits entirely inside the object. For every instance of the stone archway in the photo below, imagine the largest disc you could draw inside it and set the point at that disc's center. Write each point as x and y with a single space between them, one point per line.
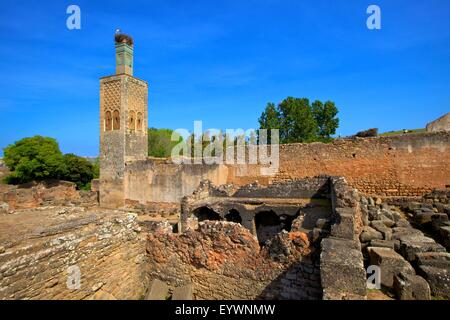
233 216
205 213
268 224
116 120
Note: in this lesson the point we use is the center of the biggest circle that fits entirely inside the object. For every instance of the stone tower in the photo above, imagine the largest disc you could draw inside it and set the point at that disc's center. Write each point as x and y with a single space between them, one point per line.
123 123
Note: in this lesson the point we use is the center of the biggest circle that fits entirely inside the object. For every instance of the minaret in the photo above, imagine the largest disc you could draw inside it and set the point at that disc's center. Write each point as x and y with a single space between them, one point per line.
123 123
124 54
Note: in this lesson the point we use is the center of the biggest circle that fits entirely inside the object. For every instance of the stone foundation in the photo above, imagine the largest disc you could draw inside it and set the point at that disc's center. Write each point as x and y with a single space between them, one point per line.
41 252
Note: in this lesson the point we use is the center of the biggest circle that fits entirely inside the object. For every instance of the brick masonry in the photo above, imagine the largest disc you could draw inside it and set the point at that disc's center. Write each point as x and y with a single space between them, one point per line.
403 165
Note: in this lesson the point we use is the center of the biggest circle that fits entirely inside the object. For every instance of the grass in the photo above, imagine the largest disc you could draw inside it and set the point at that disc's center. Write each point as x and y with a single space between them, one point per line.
438 298
393 133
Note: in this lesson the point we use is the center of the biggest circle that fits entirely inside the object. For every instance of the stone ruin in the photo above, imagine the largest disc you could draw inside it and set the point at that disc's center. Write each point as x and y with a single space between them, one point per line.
152 229
301 239
264 242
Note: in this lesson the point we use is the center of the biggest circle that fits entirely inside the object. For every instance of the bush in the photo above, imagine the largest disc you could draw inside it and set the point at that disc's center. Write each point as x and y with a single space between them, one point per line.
39 158
78 170
368 133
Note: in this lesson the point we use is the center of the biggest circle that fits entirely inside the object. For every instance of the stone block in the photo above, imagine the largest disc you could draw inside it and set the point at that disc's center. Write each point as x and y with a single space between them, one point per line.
344 226
439 219
369 234
341 268
381 227
411 206
411 287
434 259
390 263
158 290
445 232
183 293
402 223
383 243
423 217
409 248
402 234
388 222
374 214
438 279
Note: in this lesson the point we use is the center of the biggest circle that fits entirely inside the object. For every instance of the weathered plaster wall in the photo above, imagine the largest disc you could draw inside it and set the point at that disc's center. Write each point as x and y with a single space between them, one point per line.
37 247
160 181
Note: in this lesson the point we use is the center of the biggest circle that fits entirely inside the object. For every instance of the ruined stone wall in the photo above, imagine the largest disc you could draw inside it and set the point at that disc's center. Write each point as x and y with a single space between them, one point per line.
38 247
223 260
404 165
440 124
51 192
153 181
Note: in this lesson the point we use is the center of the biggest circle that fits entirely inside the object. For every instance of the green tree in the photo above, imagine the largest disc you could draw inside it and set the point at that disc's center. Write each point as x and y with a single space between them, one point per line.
270 119
298 121
35 158
78 170
326 119
159 142
39 158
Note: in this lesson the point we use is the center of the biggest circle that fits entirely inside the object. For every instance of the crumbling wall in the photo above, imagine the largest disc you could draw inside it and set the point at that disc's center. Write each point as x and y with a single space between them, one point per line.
51 192
159 181
284 200
223 260
41 251
440 124
404 165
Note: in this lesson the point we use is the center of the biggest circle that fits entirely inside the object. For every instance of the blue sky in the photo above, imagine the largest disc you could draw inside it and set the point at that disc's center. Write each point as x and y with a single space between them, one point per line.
221 62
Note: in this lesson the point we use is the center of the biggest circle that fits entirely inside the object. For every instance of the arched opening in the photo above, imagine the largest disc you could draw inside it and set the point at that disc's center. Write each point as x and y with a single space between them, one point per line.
267 224
131 121
139 121
205 213
233 216
286 221
108 122
116 120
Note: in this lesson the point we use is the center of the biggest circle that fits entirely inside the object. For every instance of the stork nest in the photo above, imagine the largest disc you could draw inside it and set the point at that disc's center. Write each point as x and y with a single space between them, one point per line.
123 38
